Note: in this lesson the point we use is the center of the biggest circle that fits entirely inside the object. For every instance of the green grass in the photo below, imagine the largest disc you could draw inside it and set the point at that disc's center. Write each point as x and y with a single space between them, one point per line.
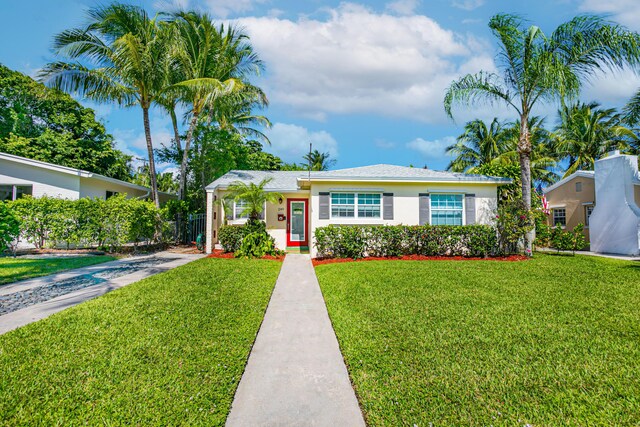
14 269
550 341
168 350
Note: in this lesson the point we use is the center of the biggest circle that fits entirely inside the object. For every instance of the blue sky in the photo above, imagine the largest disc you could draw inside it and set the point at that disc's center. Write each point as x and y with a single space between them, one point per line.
363 81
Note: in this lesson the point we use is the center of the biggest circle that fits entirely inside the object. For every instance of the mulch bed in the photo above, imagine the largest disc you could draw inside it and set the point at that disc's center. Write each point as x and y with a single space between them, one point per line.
219 253
321 261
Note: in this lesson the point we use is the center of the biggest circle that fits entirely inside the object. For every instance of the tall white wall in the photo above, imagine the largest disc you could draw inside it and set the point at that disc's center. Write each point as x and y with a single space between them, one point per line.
44 181
615 221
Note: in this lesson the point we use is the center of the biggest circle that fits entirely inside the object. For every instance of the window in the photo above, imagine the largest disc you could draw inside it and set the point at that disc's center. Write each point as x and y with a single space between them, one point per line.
240 205
14 192
356 205
588 210
446 209
559 217
578 187
110 194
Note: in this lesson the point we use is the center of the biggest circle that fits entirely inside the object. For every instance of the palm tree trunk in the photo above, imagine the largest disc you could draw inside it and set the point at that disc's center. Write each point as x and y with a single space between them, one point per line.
152 163
176 131
524 152
185 155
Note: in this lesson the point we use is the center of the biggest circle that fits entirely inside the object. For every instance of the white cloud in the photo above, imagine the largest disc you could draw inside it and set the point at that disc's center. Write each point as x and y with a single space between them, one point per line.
432 150
359 61
225 8
626 12
290 142
385 145
467 4
402 7
612 88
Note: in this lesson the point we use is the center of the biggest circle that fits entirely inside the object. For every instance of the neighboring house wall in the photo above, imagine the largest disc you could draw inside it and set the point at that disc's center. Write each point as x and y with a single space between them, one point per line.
574 196
44 181
95 188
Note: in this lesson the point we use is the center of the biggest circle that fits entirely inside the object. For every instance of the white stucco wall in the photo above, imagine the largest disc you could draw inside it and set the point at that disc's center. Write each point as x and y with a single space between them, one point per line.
44 181
406 209
615 221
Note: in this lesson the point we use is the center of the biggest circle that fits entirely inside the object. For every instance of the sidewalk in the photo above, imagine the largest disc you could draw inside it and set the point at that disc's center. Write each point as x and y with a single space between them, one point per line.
295 375
32 313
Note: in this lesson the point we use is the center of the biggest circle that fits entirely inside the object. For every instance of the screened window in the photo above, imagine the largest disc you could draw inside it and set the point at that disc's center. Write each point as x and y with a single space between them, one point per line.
559 217
578 187
13 192
588 210
110 194
446 209
239 207
356 205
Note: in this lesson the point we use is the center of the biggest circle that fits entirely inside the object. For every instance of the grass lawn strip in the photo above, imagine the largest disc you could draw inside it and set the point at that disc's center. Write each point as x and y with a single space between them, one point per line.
20 268
551 341
168 350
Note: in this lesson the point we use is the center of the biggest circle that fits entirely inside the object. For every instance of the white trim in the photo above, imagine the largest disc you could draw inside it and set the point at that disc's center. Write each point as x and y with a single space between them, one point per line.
243 220
588 204
443 180
581 174
464 219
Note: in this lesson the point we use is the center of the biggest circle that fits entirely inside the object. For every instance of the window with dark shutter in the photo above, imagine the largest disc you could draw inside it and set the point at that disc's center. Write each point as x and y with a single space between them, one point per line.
387 205
323 207
469 209
424 208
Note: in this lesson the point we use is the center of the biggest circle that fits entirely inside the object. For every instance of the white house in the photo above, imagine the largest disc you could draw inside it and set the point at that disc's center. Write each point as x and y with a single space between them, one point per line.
378 194
21 176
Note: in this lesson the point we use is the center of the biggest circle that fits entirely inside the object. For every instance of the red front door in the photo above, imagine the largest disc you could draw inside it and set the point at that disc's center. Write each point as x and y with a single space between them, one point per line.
297 222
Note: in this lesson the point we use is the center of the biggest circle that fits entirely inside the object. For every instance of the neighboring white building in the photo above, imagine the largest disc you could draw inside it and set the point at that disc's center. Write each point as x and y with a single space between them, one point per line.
615 221
379 194
21 176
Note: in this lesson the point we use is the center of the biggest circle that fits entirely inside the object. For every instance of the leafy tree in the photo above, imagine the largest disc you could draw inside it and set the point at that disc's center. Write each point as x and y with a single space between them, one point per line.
319 161
9 227
48 125
538 68
478 145
586 133
254 195
121 56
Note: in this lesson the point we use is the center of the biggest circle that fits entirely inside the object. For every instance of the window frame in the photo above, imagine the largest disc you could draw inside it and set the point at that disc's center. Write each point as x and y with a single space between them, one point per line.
553 216
356 206
587 214
14 190
462 210
241 220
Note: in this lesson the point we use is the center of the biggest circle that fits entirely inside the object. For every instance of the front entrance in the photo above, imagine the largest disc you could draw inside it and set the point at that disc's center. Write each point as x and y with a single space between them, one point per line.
298 222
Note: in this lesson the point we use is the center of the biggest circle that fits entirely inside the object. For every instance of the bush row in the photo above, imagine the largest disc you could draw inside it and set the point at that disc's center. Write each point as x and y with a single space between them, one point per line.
359 241
562 240
250 240
52 222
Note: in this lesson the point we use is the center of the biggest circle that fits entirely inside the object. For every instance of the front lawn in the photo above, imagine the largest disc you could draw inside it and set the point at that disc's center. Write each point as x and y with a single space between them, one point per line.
550 341
20 268
169 350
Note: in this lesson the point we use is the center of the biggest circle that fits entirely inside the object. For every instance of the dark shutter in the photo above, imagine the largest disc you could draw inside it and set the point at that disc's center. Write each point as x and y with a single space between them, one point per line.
424 208
387 205
323 208
470 209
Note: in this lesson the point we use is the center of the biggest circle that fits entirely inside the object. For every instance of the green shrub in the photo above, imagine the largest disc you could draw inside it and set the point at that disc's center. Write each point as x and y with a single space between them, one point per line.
9 228
256 245
572 240
230 237
513 222
358 241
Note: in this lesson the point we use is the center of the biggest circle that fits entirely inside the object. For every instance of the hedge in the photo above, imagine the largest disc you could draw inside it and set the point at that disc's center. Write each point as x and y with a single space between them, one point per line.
51 222
359 241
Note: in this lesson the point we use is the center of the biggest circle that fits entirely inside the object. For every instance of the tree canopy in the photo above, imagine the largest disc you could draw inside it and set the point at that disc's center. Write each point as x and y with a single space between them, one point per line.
49 125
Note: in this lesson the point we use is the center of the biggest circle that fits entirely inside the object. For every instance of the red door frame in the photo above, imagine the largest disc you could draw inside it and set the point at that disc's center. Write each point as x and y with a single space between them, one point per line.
306 223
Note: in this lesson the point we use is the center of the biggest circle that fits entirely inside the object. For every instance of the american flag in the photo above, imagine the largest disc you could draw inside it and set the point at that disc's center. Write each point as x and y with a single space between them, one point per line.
545 205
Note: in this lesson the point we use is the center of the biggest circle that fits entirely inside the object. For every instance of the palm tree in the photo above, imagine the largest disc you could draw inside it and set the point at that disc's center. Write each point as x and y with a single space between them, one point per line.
119 55
478 145
319 161
213 61
586 133
539 68
254 195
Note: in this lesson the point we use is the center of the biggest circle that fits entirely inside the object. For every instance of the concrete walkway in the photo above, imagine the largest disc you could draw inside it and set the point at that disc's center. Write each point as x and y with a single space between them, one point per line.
295 375
41 310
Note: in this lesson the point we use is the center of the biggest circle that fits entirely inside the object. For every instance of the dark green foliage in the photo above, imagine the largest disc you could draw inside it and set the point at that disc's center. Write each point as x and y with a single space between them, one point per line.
513 222
48 125
47 221
20 268
551 341
9 227
166 351
256 245
230 237
572 240
359 241
543 232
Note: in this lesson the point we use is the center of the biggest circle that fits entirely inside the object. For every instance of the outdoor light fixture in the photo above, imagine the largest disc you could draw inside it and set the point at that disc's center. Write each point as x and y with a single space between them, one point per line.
280 200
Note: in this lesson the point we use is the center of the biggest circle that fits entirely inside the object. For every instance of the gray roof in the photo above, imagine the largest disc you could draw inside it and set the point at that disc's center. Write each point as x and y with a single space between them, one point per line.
288 181
280 180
